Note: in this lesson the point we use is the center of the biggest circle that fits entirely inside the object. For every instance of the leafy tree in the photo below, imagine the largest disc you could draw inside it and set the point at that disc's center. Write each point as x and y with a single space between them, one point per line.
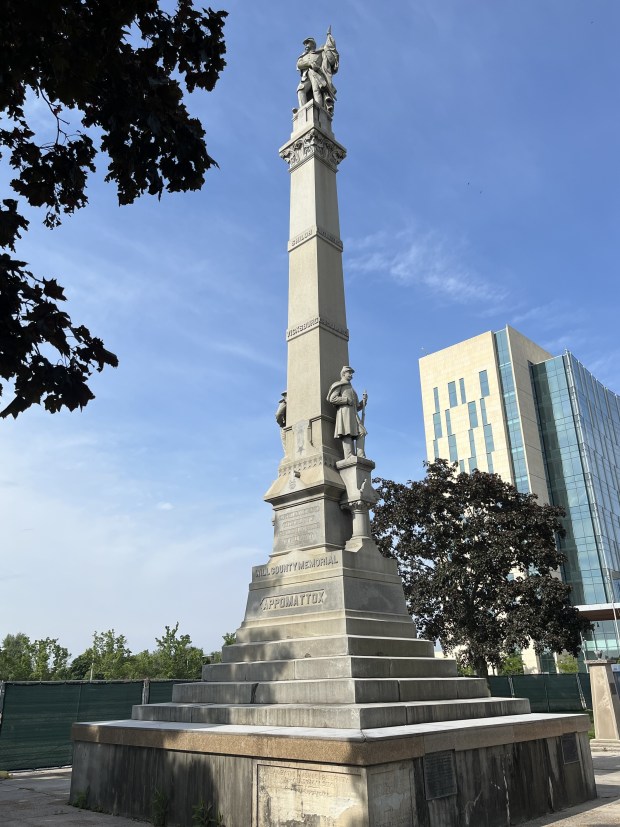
49 660
80 666
175 657
477 560
40 660
111 73
15 662
109 656
567 664
511 665
229 638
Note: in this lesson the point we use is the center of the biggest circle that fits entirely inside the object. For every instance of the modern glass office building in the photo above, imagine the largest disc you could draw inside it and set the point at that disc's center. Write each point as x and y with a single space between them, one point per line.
550 427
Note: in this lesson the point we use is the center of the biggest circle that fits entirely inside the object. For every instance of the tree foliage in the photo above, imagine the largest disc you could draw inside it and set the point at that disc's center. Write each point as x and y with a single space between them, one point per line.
40 660
111 75
477 560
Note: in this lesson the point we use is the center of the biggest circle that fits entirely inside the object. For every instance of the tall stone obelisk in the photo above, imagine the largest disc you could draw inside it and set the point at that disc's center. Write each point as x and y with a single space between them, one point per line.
328 710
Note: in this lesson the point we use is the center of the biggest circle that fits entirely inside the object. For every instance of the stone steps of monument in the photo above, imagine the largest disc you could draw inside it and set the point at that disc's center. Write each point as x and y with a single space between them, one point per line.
345 716
334 690
349 623
327 646
340 666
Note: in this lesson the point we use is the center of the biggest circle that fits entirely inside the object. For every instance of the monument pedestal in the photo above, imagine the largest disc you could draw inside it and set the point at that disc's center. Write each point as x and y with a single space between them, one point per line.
497 771
328 711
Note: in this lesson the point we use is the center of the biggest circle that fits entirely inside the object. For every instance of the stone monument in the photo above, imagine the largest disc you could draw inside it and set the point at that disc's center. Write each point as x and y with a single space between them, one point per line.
328 711
605 702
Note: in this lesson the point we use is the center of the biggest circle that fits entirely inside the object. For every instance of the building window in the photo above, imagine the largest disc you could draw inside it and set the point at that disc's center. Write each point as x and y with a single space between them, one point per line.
488 438
435 449
490 463
483 412
448 423
462 466
437 425
452 394
462 387
473 414
452 448
472 444
436 398
473 464
484 383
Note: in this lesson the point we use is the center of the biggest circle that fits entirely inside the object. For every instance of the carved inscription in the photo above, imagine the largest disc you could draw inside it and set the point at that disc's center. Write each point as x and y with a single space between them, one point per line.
287 795
439 775
298 565
570 751
304 327
298 527
293 601
311 232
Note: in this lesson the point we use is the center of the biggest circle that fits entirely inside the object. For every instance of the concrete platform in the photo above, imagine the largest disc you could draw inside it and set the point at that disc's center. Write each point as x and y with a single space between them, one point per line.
34 799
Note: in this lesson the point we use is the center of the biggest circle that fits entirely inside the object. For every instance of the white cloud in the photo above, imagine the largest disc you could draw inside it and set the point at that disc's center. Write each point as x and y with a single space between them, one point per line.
428 260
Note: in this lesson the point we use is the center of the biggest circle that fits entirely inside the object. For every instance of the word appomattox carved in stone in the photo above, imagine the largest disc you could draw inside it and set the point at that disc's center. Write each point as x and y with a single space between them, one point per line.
317 67
349 427
293 601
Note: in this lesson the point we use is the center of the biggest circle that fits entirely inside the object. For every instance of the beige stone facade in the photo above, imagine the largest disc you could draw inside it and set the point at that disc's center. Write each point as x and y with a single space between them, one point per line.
458 404
463 404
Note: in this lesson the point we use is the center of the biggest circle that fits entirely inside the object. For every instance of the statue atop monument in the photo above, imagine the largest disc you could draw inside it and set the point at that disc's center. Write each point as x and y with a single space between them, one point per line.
349 427
317 66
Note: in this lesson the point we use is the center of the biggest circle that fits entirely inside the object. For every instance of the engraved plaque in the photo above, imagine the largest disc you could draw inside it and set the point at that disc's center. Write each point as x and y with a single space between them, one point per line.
439 775
289 795
570 753
298 526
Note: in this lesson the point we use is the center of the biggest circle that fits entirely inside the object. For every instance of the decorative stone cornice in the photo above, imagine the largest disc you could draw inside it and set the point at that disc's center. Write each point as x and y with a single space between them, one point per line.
304 327
312 232
313 144
303 464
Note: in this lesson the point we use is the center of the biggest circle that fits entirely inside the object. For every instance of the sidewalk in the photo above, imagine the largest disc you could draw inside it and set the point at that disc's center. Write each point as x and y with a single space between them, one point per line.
39 799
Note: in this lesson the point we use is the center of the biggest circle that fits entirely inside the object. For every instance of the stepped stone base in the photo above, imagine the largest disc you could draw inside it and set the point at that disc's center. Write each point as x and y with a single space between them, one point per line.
333 714
473 772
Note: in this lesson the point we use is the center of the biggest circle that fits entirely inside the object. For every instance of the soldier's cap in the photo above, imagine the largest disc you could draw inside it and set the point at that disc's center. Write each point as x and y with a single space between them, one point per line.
310 40
347 367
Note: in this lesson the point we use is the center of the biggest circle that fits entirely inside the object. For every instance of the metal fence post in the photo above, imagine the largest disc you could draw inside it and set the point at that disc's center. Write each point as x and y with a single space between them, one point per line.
2 694
146 690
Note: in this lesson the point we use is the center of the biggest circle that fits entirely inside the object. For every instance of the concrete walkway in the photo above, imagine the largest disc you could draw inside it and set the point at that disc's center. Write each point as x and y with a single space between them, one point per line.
39 799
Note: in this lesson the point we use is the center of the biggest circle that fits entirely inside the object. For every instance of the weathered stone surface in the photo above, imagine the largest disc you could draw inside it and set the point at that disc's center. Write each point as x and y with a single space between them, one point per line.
605 701
375 778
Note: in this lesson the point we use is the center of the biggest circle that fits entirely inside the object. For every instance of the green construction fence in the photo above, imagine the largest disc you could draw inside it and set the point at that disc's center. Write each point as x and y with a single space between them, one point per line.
546 693
36 718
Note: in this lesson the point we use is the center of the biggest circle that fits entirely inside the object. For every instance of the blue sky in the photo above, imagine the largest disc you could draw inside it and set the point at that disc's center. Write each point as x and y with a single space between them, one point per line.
481 188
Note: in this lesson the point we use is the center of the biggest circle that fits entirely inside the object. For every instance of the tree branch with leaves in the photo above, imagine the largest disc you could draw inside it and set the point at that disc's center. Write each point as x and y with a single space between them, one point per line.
111 71
479 564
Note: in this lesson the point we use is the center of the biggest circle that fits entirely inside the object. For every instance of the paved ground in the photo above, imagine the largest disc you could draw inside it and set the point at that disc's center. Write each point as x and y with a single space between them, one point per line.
39 799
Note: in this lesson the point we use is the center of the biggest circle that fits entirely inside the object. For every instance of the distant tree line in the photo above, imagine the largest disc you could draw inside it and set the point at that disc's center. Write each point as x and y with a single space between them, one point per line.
108 658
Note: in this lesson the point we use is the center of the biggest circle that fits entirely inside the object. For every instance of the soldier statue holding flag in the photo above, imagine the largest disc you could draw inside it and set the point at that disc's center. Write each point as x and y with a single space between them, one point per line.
317 66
